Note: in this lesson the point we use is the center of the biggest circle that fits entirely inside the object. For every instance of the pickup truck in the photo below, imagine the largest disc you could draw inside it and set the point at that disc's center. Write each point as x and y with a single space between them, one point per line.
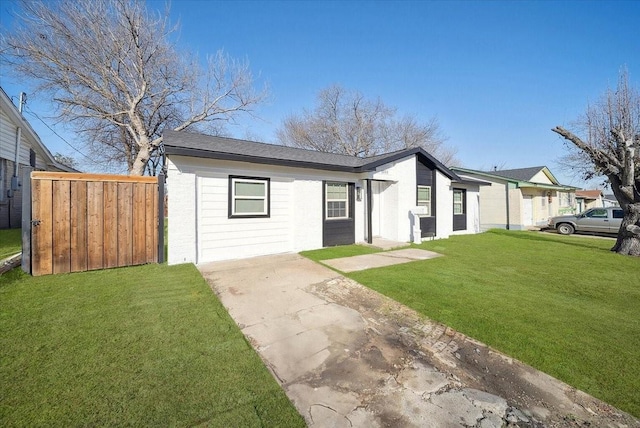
596 220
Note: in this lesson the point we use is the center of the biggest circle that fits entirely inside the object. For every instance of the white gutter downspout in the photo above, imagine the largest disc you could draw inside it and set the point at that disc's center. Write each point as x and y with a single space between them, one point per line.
14 179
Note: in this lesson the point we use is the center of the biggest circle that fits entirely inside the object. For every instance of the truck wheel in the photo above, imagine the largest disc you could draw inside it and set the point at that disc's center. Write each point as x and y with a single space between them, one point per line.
565 229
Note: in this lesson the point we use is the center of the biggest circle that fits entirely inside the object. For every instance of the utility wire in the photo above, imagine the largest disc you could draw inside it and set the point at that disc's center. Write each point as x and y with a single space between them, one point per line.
31 112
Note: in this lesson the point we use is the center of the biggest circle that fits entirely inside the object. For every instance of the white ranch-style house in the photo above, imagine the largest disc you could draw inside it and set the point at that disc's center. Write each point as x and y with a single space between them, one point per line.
232 199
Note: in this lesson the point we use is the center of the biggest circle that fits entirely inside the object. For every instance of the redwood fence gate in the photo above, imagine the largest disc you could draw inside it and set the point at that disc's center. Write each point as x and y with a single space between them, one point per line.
74 222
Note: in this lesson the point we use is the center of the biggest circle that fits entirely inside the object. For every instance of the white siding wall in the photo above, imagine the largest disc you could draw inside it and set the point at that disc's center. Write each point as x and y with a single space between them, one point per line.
7 137
11 208
8 144
220 237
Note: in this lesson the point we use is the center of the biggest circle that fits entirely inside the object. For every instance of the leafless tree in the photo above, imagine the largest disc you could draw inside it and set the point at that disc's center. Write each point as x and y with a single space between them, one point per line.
65 160
608 145
346 122
118 77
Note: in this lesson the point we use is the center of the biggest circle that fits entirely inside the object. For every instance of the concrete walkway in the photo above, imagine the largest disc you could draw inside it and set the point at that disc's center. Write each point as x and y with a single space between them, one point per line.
349 357
388 258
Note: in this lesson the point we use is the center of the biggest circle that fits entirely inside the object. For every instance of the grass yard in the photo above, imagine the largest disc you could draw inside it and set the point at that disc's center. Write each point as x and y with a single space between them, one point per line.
140 346
10 242
565 305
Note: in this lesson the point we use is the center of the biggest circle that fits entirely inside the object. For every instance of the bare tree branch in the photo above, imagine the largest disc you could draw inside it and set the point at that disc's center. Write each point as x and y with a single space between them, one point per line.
346 122
610 146
117 77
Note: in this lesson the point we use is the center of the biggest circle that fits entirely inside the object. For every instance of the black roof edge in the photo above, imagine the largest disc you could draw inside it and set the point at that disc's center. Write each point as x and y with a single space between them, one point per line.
182 151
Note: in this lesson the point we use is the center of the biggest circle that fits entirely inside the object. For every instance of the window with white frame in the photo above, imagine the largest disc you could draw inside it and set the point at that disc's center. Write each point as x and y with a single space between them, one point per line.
424 198
337 200
458 202
248 197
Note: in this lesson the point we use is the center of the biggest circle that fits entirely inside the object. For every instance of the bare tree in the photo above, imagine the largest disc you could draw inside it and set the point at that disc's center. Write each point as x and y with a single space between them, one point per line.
119 79
609 145
346 122
65 160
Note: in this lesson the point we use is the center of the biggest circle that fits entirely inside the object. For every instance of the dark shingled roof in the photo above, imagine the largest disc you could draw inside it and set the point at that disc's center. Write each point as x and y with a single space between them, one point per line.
206 146
520 174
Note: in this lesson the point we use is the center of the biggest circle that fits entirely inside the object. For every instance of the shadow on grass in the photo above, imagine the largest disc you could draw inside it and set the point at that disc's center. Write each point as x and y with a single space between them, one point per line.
564 240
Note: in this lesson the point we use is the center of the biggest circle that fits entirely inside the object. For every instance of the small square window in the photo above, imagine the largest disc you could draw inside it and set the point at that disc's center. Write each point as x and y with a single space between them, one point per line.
248 197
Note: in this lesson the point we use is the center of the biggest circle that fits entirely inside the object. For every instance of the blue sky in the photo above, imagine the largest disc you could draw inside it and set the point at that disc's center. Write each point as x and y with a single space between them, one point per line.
497 75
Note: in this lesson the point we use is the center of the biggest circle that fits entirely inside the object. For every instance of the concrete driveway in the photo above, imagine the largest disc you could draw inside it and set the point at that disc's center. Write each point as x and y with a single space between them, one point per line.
348 357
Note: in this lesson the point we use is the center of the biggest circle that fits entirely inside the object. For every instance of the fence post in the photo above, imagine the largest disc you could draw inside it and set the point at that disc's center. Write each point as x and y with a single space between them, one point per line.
160 218
26 221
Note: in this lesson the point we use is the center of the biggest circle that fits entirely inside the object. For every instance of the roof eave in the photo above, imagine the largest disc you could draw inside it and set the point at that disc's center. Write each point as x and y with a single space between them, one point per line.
208 154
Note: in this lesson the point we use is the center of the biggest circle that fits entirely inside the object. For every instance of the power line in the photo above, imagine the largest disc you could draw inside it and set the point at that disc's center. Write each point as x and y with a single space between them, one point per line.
31 112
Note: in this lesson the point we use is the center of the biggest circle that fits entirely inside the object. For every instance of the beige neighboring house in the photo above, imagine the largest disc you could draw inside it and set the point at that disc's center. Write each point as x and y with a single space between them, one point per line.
518 199
586 199
20 150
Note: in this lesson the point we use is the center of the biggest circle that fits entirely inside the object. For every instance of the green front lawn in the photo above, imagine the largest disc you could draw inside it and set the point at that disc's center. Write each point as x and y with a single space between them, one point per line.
140 346
565 305
10 242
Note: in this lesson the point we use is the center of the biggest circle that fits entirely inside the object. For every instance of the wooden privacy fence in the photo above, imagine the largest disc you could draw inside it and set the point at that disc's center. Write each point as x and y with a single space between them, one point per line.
77 222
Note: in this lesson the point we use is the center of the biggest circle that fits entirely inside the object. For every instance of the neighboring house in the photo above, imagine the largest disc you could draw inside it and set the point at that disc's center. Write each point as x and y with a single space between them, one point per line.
586 199
20 150
520 198
232 199
609 200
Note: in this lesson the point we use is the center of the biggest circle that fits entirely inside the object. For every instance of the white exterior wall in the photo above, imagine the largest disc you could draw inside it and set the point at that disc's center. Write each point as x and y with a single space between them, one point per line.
8 131
444 206
307 221
398 198
494 207
199 227
11 208
7 137
181 189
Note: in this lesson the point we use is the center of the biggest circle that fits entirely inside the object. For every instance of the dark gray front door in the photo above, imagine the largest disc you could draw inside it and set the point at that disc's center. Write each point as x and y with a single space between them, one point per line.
338 225
459 209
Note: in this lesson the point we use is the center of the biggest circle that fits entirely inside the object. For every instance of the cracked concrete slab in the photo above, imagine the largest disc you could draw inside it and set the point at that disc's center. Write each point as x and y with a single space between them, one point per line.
348 357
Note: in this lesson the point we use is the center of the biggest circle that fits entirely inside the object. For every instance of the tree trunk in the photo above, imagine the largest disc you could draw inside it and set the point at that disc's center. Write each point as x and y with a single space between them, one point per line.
140 162
628 242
